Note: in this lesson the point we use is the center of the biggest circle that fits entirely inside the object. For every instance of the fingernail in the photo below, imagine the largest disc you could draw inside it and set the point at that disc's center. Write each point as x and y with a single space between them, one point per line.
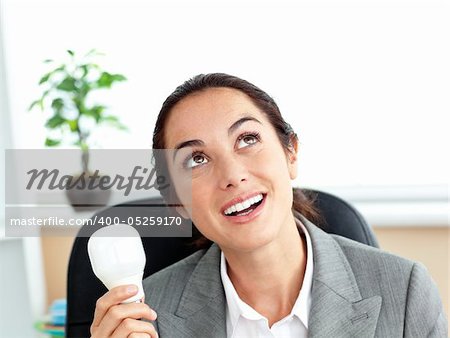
131 289
155 314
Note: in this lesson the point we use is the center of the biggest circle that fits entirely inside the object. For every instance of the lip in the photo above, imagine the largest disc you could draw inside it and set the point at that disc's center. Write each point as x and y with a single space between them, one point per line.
240 199
246 218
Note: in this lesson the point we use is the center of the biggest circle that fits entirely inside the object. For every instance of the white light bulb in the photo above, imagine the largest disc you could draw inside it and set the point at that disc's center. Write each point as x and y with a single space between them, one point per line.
118 258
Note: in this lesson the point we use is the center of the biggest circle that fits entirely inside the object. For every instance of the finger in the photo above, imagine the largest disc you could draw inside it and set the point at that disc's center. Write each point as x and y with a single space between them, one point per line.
129 326
117 313
139 335
112 297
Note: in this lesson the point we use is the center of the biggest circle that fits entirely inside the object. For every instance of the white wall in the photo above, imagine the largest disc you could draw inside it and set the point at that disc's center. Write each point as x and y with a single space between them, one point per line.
364 83
22 290
5 135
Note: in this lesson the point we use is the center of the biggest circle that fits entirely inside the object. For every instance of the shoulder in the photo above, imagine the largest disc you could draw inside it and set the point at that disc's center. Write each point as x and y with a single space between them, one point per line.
373 260
408 291
181 268
164 288
377 271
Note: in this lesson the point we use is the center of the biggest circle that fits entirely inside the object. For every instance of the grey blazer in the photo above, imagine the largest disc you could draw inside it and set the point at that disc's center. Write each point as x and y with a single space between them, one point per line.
357 291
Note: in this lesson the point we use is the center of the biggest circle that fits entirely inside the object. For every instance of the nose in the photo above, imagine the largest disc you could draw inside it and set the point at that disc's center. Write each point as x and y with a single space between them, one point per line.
232 172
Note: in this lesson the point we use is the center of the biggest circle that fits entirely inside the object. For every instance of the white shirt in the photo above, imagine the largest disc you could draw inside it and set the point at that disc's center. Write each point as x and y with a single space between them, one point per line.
245 322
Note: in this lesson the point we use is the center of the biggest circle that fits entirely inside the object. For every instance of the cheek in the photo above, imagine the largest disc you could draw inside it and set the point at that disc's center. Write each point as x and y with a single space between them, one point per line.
273 167
203 209
201 198
202 218
184 191
182 184
271 161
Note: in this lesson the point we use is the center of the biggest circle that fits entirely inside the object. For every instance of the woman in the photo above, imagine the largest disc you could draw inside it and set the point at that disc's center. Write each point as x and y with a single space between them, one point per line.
270 272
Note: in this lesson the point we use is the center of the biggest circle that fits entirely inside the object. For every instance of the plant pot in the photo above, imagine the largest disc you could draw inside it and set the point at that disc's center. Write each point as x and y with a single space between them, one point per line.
88 196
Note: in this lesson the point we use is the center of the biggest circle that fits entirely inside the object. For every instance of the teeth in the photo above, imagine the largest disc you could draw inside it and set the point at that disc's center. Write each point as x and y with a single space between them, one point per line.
243 205
246 204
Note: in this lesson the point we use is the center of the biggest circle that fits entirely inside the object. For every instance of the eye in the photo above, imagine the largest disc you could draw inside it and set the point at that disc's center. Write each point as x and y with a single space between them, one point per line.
195 160
247 139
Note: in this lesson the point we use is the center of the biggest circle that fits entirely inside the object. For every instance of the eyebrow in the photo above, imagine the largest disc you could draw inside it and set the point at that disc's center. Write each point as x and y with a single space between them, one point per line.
231 129
239 122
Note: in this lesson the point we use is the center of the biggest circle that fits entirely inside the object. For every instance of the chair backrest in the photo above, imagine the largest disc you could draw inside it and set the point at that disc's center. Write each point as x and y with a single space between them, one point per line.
83 287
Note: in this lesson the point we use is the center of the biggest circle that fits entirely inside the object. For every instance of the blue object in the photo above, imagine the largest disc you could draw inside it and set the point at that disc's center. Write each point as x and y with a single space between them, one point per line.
58 312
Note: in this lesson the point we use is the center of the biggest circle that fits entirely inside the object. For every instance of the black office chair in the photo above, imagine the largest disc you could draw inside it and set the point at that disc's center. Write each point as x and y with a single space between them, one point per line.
83 287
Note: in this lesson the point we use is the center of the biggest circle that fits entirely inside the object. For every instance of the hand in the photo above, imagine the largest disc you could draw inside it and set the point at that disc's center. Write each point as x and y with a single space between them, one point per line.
115 320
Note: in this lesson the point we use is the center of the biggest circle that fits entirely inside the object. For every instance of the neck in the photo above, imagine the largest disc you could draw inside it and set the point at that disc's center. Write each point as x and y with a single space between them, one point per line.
269 278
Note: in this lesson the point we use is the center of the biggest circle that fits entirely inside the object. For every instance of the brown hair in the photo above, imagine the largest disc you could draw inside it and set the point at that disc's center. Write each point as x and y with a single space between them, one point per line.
301 203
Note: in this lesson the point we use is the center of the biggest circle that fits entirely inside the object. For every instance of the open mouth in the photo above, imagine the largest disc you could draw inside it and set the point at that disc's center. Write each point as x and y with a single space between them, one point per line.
246 207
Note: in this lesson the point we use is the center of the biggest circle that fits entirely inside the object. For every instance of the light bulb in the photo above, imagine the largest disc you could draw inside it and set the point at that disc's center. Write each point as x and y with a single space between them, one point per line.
118 258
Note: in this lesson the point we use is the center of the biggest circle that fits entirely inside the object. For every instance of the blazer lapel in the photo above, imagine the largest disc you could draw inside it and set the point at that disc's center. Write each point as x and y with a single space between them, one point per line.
334 316
337 308
201 311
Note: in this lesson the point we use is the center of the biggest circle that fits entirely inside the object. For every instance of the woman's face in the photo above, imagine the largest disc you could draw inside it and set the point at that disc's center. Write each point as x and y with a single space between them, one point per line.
229 169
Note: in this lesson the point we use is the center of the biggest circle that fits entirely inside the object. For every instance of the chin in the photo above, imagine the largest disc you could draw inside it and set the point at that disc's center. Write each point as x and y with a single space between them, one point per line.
251 242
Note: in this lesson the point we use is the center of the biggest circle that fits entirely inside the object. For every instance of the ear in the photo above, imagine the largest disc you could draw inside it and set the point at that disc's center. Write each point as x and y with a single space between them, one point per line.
182 211
292 157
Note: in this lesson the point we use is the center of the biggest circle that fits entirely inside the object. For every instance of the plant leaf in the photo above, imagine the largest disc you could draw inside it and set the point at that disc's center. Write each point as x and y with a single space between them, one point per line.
51 143
95 112
85 88
113 121
122 127
60 68
45 78
48 61
85 69
55 121
119 77
34 103
70 52
73 124
105 80
93 51
110 118
68 84
58 104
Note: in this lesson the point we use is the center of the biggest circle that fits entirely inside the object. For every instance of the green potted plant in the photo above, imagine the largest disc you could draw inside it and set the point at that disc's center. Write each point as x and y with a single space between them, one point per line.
65 93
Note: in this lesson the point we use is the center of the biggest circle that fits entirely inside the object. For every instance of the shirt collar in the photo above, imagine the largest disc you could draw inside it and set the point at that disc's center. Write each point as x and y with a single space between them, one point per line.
237 308
303 303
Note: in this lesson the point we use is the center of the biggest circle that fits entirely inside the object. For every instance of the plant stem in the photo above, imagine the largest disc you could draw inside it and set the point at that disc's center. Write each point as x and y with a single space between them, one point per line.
85 160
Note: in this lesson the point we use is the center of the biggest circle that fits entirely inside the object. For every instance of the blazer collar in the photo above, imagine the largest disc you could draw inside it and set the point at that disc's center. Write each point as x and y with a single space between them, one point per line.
337 307
202 308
